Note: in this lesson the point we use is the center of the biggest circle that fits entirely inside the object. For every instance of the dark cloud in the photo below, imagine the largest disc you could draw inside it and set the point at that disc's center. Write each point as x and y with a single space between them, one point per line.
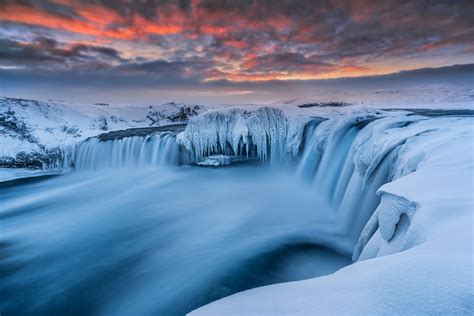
284 61
14 53
48 53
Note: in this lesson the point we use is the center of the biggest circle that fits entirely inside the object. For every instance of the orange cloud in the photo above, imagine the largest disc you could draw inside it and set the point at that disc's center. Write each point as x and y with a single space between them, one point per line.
30 15
94 20
144 26
99 15
237 44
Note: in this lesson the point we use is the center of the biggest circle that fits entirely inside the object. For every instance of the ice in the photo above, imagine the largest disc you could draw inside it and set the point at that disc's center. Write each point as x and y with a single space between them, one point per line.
393 214
264 133
219 160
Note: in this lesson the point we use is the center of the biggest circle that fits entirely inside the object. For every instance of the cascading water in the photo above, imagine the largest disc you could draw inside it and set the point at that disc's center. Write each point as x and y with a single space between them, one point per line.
159 149
327 162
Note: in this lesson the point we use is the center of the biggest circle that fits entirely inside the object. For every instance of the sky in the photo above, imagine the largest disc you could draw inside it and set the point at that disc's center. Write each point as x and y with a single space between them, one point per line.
220 50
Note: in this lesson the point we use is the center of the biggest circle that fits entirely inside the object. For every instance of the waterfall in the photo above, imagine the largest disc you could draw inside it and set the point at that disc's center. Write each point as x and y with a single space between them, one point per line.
349 158
345 158
328 163
331 157
159 149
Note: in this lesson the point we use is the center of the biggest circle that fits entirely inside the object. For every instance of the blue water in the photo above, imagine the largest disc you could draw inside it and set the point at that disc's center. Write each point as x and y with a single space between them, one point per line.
154 241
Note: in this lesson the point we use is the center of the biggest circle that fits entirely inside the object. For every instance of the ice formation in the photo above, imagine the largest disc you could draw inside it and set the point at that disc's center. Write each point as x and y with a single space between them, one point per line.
265 133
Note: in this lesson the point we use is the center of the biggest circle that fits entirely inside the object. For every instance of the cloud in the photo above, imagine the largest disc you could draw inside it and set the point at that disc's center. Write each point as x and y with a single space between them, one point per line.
234 40
48 54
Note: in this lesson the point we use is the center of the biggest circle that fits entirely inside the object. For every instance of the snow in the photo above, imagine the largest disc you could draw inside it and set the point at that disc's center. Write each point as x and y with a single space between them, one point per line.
12 146
430 96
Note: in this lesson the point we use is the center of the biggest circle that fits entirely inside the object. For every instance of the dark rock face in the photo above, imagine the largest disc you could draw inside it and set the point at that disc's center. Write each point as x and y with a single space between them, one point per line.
12 126
324 104
185 113
49 158
140 132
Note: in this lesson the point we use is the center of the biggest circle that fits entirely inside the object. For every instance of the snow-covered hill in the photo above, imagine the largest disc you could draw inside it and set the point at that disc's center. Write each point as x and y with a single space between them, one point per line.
35 134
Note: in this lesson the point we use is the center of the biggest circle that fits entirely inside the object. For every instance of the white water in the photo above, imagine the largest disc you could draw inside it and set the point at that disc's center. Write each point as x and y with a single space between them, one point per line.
159 149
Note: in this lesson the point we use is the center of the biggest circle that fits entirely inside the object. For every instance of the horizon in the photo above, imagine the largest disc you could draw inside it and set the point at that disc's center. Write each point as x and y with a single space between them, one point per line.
458 74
